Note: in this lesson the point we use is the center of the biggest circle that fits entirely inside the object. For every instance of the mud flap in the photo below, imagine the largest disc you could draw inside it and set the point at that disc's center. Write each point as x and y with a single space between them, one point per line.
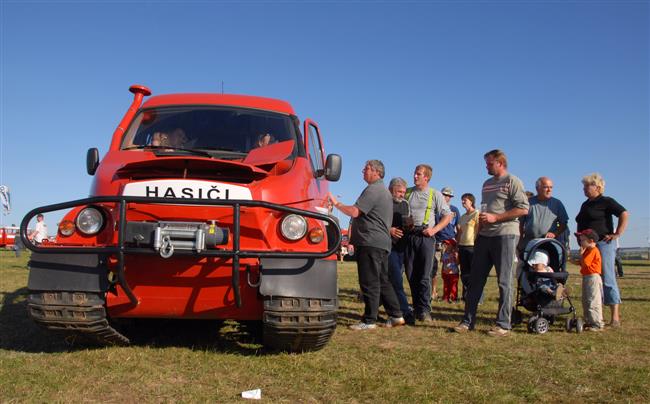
68 272
309 278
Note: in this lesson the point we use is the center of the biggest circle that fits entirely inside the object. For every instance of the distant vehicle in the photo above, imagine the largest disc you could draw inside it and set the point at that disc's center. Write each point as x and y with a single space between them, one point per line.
8 236
206 206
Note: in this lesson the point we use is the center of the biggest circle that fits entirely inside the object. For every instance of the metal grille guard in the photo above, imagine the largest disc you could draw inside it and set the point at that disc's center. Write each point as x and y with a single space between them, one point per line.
119 250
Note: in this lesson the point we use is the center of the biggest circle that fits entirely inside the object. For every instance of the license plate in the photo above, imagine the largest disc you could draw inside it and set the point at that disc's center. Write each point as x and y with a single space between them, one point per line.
187 189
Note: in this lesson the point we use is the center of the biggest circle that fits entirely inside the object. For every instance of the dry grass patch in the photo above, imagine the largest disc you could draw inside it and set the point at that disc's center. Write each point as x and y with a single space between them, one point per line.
186 361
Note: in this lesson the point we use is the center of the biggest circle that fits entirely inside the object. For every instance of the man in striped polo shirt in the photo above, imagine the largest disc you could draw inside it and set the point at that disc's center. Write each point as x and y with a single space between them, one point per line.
503 203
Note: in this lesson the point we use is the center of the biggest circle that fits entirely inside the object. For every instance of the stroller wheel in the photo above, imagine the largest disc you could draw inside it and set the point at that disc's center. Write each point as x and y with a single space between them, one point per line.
531 323
516 317
569 324
541 325
579 325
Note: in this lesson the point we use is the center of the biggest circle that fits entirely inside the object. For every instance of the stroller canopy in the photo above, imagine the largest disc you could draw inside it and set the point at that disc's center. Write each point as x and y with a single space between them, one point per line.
552 247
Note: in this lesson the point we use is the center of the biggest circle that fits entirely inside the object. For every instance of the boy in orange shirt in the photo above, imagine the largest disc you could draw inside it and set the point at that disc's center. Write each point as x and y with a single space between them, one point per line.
592 284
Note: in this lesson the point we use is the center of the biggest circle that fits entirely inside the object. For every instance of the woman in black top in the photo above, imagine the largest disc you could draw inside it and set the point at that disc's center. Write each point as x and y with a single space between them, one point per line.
596 213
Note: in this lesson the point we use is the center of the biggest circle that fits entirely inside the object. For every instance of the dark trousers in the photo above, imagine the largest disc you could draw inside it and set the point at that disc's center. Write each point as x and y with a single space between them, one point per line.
619 265
395 275
418 260
437 258
497 251
372 266
465 255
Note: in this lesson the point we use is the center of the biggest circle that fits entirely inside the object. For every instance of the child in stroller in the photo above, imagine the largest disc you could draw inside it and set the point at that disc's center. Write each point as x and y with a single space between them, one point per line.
540 290
539 264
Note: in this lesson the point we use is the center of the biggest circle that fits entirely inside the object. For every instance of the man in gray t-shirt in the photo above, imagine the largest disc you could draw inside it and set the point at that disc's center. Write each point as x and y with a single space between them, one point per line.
426 204
547 217
373 216
502 204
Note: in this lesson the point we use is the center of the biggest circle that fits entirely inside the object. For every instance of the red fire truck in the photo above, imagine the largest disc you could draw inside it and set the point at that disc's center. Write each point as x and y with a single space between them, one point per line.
206 206
8 236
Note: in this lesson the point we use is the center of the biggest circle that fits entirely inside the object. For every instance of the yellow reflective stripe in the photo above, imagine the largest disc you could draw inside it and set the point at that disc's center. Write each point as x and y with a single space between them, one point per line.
427 212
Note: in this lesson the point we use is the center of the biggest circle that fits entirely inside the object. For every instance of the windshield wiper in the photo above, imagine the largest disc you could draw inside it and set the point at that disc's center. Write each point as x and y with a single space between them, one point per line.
170 151
225 152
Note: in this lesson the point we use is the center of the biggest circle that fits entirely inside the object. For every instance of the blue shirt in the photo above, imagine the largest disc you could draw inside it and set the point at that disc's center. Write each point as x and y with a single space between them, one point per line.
543 217
449 232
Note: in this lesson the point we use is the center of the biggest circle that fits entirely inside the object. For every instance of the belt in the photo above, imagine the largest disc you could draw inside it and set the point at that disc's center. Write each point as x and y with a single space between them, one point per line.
417 229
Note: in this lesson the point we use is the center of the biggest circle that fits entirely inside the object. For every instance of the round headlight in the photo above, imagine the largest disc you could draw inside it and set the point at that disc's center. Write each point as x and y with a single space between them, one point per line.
294 227
90 221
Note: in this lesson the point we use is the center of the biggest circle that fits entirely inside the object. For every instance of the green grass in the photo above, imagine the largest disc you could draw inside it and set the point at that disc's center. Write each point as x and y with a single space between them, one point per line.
183 361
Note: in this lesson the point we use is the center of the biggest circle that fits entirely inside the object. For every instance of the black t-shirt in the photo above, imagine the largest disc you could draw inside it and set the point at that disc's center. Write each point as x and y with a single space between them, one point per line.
400 210
597 215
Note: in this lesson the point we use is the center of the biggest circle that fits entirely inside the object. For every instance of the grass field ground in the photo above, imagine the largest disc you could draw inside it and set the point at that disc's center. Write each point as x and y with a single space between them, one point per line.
210 362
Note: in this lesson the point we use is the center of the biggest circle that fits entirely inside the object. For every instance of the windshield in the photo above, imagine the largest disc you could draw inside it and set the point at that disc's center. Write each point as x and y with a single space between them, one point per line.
208 131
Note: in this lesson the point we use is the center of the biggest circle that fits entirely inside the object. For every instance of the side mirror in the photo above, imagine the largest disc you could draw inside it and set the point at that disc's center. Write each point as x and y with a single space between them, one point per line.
333 167
92 160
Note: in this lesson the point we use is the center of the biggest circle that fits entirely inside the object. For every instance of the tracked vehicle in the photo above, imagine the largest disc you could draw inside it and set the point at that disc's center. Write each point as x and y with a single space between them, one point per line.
205 206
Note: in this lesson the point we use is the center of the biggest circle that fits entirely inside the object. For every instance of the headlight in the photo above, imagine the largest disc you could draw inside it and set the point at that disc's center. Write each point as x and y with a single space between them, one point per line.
294 227
90 221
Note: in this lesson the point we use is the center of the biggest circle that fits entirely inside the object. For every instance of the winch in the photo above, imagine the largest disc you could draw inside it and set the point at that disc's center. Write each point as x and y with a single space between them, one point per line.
166 237
170 236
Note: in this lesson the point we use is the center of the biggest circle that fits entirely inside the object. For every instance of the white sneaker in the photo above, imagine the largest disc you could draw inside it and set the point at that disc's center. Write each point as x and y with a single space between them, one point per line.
498 332
394 322
362 326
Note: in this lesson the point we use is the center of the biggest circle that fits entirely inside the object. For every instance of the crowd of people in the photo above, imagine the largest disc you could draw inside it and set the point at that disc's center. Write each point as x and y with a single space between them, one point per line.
418 232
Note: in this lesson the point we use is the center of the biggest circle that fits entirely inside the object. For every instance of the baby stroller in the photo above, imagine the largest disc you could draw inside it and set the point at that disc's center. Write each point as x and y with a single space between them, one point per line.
543 306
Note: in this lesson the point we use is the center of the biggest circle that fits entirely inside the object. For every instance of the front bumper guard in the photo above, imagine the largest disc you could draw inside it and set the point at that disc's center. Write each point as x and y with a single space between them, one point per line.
121 249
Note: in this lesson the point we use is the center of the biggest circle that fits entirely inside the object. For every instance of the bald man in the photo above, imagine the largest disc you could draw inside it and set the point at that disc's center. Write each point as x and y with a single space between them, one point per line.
547 217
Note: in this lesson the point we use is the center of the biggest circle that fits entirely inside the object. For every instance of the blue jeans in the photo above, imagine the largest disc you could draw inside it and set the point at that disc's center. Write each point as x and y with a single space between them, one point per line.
611 294
497 251
395 275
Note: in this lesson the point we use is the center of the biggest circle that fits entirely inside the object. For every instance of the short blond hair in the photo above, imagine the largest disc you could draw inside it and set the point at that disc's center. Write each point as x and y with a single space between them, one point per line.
428 171
594 179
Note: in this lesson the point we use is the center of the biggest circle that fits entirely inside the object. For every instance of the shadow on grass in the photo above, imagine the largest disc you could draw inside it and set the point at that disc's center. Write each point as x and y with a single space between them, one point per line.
635 299
345 318
19 333
347 315
636 277
636 264
453 314
440 312
350 295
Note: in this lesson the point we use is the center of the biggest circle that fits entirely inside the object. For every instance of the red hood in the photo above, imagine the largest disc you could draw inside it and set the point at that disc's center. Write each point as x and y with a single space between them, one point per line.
191 167
118 168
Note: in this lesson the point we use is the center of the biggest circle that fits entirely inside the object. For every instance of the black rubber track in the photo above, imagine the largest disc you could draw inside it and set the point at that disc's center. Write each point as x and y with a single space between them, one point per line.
298 324
80 313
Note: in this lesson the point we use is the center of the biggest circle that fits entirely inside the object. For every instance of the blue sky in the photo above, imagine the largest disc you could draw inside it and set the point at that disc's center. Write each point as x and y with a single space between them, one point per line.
562 87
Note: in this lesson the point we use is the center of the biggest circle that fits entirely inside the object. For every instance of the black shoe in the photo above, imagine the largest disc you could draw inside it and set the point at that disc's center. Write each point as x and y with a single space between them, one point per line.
410 319
424 317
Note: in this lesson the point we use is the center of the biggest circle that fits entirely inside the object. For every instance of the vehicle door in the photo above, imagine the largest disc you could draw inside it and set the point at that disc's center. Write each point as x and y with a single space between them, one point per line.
316 154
